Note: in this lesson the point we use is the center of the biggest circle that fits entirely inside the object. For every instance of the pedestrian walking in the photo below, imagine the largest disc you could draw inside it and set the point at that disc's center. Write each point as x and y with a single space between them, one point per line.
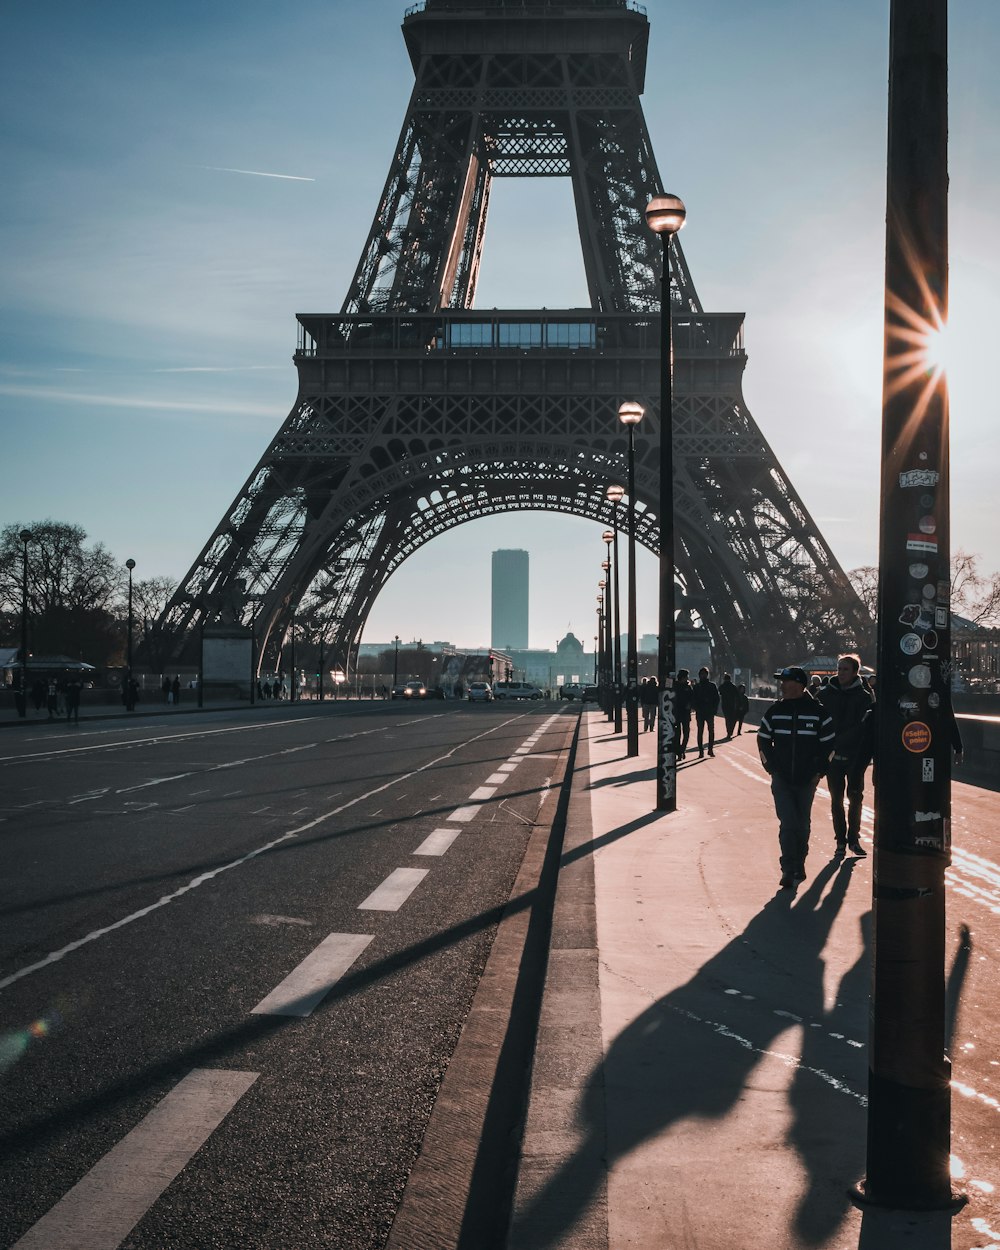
849 701
649 699
742 706
52 698
795 741
728 698
73 700
682 709
705 701
175 690
166 690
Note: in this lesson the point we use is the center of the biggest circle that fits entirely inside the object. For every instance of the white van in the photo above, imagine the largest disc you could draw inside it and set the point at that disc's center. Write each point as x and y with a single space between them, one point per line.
515 690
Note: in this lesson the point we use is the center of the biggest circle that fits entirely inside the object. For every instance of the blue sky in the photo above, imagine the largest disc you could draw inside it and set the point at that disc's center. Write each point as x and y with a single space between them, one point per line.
148 297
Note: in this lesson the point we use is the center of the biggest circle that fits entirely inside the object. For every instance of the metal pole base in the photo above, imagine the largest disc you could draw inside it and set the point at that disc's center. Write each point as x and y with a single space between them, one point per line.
908 1148
863 1200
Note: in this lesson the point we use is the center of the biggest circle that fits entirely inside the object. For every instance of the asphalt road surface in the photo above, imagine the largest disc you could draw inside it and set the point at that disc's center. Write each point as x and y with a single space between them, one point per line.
235 957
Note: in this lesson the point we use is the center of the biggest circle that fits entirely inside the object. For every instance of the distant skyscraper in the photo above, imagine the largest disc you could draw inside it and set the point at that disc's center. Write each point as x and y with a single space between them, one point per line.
509 628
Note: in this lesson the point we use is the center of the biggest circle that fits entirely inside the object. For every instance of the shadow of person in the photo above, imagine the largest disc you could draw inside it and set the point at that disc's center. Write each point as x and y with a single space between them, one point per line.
826 1096
691 1054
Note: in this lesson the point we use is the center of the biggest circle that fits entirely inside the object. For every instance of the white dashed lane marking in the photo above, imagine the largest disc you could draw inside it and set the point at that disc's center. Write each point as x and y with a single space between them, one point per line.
437 842
464 814
394 890
308 984
481 794
102 1209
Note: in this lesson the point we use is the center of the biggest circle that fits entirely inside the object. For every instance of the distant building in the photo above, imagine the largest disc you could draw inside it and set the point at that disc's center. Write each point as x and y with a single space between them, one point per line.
509 621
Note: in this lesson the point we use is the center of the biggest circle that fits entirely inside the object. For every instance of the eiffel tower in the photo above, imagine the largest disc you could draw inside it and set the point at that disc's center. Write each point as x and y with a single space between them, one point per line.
416 413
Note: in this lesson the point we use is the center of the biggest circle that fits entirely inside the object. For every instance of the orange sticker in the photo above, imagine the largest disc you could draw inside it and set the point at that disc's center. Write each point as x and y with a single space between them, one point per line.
917 737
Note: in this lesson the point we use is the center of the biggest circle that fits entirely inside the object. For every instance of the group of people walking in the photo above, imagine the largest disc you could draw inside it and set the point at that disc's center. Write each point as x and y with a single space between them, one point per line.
814 731
802 739
702 699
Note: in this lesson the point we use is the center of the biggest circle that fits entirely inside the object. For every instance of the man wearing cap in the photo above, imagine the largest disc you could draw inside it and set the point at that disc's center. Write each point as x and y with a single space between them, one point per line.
849 700
795 740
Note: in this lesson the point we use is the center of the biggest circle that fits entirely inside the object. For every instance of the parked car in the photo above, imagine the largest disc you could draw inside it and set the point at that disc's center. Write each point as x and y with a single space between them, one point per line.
479 692
572 690
515 690
591 694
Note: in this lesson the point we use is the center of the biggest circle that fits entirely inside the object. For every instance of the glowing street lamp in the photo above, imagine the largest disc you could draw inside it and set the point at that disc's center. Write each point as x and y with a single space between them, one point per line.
665 215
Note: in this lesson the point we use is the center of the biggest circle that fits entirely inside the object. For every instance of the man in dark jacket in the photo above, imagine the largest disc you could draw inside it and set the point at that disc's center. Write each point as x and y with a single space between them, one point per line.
795 739
849 701
705 701
728 698
682 709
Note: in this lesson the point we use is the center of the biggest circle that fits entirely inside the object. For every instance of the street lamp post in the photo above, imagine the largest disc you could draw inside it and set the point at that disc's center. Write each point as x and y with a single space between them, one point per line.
292 679
605 585
129 688
599 667
395 663
596 650
615 495
665 215
22 704
630 414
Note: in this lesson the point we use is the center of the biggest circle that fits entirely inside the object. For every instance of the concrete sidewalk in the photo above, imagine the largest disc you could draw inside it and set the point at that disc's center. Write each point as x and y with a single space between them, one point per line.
700 1072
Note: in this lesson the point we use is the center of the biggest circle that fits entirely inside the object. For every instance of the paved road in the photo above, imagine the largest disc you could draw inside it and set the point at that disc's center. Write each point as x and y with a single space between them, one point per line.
235 957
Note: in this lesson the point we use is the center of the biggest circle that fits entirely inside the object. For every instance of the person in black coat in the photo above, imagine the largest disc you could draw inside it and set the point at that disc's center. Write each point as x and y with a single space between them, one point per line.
729 698
705 701
682 709
795 741
742 706
849 701
649 701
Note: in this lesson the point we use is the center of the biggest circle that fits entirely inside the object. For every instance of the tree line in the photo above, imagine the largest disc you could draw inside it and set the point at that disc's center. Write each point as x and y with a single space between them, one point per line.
78 593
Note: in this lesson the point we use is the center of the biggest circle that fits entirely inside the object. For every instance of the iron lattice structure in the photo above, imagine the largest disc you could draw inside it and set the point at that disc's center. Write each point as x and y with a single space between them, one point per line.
415 413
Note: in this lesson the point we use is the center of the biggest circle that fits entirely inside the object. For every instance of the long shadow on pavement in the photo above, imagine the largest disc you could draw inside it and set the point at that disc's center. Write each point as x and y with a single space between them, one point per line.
698 1048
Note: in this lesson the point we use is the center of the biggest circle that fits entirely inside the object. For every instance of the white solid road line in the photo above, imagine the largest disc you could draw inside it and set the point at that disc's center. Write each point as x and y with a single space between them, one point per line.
437 842
101 1210
394 890
308 984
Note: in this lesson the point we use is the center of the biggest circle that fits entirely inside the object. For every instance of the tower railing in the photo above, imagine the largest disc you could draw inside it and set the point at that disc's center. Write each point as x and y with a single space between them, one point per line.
570 331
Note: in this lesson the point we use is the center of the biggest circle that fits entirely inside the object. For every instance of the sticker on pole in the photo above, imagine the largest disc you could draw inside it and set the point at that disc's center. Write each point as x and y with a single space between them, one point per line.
919 477
916 737
918 542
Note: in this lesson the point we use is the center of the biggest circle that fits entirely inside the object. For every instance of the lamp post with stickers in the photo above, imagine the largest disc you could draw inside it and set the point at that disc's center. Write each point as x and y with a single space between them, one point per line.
909 1117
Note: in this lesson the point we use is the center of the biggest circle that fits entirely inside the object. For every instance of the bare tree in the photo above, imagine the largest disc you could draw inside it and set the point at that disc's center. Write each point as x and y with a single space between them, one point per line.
865 582
72 589
149 599
973 596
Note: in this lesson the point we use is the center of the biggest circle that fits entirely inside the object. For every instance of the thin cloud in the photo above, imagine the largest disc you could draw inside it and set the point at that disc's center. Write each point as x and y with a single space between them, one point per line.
222 369
133 401
256 173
